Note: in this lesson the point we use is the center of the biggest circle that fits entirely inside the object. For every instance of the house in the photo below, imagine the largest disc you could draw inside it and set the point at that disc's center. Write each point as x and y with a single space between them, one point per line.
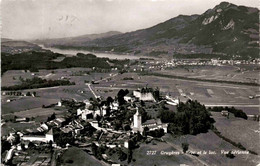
60 120
114 106
115 165
34 138
126 144
224 113
44 127
129 98
79 111
57 122
172 101
59 104
21 119
95 124
253 117
154 124
9 155
104 156
11 138
103 110
67 129
39 138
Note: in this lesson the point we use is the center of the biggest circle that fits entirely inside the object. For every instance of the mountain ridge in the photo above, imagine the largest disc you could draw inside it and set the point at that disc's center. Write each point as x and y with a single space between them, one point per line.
226 29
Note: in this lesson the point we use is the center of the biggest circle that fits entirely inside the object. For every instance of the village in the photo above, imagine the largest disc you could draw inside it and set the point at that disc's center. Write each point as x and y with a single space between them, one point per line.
95 123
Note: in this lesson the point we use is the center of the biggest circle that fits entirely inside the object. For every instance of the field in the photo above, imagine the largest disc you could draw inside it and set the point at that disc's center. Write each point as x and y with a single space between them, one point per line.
76 156
239 130
211 142
47 96
239 73
37 112
11 127
143 157
28 106
210 94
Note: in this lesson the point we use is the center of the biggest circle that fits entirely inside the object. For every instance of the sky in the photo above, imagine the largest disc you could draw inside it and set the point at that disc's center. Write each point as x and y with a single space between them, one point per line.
41 19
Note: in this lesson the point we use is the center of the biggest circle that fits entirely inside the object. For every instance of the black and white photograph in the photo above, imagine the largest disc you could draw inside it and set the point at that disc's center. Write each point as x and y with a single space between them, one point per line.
130 82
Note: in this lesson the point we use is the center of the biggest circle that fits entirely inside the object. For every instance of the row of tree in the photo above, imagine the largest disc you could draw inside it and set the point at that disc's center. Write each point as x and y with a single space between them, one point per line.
191 118
237 112
37 82
34 61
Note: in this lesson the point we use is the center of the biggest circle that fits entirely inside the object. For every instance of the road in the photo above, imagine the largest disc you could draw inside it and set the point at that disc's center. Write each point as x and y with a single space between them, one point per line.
90 88
232 105
92 91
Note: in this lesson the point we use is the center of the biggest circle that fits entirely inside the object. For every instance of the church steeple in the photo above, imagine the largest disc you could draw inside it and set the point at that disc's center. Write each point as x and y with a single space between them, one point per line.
137 119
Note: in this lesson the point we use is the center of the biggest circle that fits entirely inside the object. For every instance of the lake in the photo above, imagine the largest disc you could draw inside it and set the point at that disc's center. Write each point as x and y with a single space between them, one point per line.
73 52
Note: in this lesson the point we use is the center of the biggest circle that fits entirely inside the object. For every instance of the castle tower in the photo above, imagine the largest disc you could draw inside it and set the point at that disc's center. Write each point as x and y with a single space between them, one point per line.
137 119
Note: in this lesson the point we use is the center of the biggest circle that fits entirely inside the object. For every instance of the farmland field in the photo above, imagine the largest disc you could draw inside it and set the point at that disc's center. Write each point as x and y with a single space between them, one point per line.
239 73
51 95
76 156
143 158
211 142
37 112
11 127
239 130
211 94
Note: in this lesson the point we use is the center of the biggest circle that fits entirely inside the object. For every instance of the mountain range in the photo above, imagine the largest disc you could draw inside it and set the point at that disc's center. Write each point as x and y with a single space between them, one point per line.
226 30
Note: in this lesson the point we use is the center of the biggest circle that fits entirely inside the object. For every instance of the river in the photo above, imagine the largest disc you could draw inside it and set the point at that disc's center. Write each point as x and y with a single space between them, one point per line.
73 52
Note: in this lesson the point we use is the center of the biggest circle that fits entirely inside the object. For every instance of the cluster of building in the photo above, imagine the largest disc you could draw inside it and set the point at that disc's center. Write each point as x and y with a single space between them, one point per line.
101 117
163 64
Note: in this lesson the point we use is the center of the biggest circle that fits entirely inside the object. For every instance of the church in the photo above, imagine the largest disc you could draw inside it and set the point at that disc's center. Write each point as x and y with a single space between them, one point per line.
152 124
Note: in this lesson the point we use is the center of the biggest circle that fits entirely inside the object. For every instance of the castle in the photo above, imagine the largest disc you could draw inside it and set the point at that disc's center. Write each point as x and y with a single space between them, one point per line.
146 94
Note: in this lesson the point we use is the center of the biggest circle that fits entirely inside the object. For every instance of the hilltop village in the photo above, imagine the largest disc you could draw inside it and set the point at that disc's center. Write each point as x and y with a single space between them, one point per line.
95 125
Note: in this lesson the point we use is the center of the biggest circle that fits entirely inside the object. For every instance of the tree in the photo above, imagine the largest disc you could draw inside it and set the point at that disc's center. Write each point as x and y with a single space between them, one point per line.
120 96
28 94
191 118
98 118
130 156
109 100
185 147
5 145
52 117
146 130
94 149
230 155
127 128
122 155
62 139
117 124
142 103
50 145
